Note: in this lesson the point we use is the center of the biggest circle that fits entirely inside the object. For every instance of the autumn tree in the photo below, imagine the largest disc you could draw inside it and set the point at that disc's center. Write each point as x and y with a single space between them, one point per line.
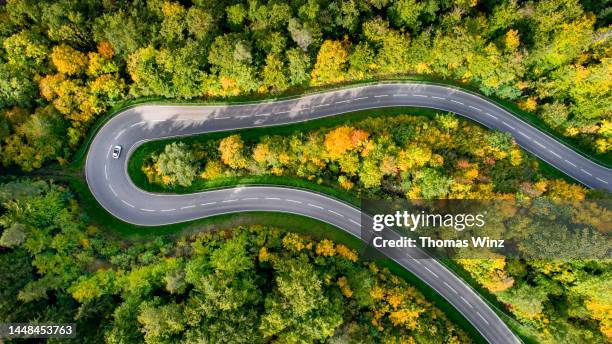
68 60
231 149
331 62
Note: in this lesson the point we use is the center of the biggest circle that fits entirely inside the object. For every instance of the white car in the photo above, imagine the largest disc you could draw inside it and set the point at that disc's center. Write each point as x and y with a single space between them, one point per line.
116 152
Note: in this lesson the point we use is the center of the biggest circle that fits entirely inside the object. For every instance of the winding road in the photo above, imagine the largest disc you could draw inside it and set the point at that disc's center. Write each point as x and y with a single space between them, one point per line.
110 184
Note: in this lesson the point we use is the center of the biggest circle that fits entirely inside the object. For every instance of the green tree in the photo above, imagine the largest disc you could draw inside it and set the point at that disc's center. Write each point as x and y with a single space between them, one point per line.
298 67
161 323
16 87
500 140
176 164
405 13
236 15
433 183
174 23
13 236
200 23
273 74
555 115
362 60
35 141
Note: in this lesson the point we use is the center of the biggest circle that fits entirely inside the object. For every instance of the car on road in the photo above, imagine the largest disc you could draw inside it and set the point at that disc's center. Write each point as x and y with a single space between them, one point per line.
116 152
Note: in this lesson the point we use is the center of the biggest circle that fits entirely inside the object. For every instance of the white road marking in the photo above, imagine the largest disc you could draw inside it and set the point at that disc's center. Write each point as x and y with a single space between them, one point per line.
335 213
128 204
244 116
441 98
165 210
149 210
250 198
571 163
273 198
431 272
355 222
112 190
263 115
381 95
509 126
587 172
315 206
188 206
475 108
361 98
293 201
321 105
601 180
420 95
417 261
488 114
343 101
451 288
466 302
481 317
456 101
400 95
539 144
209 203
119 134
281 112
135 124
555 154
229 201
221 118
524 135
105 171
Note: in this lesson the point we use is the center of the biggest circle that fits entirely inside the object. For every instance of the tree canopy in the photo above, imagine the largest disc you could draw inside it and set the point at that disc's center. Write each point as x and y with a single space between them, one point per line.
252 284
552 58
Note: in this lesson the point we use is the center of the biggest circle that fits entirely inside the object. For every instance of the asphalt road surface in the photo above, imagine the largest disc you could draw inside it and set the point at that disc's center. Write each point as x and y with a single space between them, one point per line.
110 184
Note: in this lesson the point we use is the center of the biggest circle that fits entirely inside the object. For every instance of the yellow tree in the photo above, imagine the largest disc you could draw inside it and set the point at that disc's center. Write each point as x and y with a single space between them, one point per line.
512 40
413 156
261 152
561 190
338 142
68 60
331 61
489 272
231 149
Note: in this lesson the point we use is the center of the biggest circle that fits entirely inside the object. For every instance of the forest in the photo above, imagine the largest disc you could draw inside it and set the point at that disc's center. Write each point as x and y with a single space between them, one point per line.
251 284
63 64
562 299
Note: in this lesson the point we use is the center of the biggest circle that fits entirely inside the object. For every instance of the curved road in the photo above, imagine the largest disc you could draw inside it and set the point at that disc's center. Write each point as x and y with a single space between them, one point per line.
111 186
